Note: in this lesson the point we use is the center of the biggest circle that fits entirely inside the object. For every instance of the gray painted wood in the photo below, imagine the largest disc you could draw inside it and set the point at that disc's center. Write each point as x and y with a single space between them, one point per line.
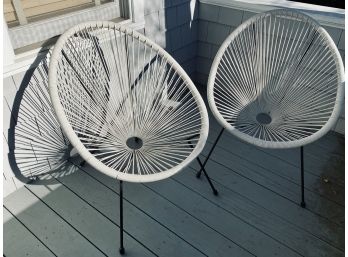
287 166
257 212
214 210
319 205
181 217
290 211
56 233
176 219
139 224
19 241
87 220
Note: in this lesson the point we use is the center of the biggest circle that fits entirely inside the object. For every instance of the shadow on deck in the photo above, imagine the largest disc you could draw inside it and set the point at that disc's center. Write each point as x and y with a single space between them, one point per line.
255 214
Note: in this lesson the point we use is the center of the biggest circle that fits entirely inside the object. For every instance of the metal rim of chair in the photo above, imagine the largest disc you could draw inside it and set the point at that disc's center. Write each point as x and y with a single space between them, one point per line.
140 106
238 78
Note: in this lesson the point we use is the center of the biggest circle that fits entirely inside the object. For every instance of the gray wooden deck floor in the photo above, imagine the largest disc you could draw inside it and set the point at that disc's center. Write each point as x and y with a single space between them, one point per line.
255 214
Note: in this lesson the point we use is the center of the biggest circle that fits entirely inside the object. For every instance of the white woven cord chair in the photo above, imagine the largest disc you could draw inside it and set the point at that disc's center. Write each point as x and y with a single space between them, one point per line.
277 82
125 104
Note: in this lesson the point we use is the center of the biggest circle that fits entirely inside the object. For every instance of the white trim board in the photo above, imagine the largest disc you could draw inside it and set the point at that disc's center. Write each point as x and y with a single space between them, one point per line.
25 60
327 16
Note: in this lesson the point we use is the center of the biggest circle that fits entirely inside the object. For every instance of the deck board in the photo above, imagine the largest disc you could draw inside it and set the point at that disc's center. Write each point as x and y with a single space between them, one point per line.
141 226
272 225
58 236
88 221
279 185
176 219
19 241
315 158
280 177
255 214
277 204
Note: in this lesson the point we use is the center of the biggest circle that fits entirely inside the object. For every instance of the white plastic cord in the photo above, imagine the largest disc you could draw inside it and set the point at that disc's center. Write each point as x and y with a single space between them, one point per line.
277 81
110 85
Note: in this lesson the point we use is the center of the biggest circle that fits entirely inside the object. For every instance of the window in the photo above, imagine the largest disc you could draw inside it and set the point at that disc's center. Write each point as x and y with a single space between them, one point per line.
20 12
32 23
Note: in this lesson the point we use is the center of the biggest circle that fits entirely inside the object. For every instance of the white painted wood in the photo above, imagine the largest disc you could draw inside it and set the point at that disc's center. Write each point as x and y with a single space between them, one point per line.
137 10
9 184
8 53
8 187
20 12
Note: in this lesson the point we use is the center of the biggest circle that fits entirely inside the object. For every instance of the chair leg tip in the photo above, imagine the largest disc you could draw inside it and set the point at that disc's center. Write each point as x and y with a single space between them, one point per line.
198 175
303 204
215 192
121 250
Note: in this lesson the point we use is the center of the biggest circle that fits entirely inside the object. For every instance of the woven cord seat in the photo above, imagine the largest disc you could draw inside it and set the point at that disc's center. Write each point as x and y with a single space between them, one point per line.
125 104
277 81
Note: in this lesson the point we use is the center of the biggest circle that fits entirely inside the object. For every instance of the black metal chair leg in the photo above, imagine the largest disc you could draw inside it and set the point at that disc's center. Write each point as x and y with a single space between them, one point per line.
210 152
303 203
202 169
121 250
215 192
198 174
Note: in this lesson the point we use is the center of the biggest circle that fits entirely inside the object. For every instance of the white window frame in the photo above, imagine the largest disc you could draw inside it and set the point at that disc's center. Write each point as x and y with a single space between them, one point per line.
132 12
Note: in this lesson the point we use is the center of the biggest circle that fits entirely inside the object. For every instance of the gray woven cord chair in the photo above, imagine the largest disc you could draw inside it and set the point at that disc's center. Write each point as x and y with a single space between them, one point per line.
126 106
277 82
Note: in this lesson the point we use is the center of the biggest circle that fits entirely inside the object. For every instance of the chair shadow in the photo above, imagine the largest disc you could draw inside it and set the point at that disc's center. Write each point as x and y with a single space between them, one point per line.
38 149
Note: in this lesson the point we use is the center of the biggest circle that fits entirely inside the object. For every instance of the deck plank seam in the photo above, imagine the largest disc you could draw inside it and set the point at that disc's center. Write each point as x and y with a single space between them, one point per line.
297 184
272 156
265 187
218 232
148 215
67 222
282 218
14 216
125 230
246 222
